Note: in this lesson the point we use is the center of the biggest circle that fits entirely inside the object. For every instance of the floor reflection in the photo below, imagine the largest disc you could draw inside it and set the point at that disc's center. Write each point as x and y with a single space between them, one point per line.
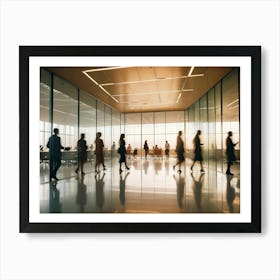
81 198
180 182
122 187
99 184
150 186
197 189
54 198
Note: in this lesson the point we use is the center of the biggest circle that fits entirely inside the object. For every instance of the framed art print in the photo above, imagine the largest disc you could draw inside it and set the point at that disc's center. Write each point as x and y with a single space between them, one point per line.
140 138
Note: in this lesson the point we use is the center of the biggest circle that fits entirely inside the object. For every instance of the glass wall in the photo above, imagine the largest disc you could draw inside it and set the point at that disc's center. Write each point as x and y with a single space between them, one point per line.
45 127
65 112
155 127
73 111
215 114
88 117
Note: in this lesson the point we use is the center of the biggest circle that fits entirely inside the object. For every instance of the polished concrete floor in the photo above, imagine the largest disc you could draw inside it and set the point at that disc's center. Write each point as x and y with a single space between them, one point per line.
150 186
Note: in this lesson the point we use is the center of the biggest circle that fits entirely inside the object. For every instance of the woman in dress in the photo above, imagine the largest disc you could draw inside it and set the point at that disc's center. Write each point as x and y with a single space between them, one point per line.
122 152
99 146
180 151
197 151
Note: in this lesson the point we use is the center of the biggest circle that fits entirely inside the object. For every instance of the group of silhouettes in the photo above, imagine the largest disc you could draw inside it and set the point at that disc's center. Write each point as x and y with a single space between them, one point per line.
55 147
198 152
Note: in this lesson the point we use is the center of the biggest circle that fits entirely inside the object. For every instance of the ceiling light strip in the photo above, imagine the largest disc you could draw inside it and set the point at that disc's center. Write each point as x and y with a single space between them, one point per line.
100 86
144 81
151 93
108 68
142 105
179 96
195 75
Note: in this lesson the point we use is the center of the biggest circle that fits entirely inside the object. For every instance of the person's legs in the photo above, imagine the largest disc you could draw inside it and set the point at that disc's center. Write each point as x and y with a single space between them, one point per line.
193 165
57 163
77 169
51 168
228 168
126 165
179 170
82 166
201 166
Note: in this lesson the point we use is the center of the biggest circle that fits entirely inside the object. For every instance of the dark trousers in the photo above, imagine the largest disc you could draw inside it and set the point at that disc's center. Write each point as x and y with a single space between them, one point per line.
54 166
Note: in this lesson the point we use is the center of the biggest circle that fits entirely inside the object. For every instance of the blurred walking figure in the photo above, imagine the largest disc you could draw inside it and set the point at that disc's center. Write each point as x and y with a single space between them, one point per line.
197 151
129 151
230 152
99 146
167 149
180 151
146 148
113 148
122 152
54 145
82 153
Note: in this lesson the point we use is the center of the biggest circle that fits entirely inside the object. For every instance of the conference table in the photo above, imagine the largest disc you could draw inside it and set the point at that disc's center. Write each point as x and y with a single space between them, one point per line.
71 157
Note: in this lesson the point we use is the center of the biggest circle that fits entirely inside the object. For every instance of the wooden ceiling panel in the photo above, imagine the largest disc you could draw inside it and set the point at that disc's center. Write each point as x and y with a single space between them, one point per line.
143 89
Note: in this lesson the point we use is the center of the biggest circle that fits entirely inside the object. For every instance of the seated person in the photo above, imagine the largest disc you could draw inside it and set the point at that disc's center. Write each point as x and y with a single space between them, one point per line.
135 153
157 151
129 150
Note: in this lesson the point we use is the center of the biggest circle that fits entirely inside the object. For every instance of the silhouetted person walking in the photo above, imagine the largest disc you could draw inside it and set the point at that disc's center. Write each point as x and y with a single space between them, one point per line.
180 152
82 153
122 152
99 146
167 149
230 152
54 145
197 151
146 149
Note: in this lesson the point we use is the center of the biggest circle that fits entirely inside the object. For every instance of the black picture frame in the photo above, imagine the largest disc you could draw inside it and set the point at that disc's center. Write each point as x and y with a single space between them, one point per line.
254 52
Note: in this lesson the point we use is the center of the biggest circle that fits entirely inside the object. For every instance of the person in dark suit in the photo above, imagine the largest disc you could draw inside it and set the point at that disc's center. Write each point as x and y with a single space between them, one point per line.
82 153
197 151
230 152
54 145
